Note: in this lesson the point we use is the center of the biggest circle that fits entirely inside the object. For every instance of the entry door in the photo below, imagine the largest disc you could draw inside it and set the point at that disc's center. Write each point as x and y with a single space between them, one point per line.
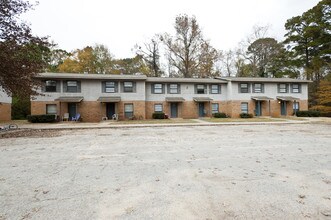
72 109
110 109
174 110
283 108
201 109
258 108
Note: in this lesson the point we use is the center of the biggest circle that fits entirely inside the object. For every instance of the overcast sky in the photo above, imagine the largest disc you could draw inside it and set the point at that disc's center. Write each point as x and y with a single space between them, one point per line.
121 24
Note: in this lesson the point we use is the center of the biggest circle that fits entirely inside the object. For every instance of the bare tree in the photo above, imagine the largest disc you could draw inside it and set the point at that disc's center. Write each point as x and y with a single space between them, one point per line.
187 51
151 55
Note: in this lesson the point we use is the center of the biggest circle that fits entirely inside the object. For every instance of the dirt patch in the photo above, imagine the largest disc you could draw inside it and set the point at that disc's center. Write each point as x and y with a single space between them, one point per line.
33 133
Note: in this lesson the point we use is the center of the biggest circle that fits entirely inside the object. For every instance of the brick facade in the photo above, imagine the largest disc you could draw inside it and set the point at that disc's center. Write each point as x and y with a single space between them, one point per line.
143 96
5 112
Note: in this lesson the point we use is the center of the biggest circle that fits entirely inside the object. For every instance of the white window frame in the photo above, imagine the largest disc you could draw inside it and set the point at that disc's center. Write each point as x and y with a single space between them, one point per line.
201 89
215 89
52 107
256 89
158 88
296 90
128 86
128 110
173 89
73 87
110 87
213 109
244 89
50 86
244 107
158 108
283 89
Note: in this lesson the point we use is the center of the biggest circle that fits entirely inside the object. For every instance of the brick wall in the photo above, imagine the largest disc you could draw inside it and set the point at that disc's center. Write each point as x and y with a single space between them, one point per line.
5 112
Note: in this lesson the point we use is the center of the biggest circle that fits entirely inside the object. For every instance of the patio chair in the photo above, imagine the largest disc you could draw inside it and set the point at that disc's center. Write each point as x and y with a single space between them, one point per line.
65 117
76 117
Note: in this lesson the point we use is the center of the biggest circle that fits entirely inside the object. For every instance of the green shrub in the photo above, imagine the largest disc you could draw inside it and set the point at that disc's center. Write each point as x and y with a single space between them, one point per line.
42 118
158 115
308 113
219 115
246 115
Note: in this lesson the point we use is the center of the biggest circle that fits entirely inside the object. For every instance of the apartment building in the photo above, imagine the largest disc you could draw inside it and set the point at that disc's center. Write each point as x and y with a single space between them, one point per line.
5 106
98 97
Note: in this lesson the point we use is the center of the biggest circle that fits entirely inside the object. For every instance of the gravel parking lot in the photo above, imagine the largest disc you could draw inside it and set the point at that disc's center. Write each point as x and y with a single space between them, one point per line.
211 172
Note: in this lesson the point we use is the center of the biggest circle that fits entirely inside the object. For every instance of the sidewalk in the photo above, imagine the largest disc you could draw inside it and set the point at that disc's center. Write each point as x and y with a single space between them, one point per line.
135 124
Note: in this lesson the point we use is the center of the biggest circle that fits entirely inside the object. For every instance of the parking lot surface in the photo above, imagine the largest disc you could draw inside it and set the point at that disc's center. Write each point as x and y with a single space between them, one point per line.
211 172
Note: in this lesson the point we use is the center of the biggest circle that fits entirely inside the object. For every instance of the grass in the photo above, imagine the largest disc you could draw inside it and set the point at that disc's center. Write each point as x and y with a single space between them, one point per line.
156 121
218 120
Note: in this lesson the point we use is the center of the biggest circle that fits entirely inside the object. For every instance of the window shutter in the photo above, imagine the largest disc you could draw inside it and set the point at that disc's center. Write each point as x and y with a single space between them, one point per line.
206 88
239 87
287 88
163 88
43 86
152 88
299 88
249 85
65 86
134 87
116 87
179 90
210 88
219 89
168 88
58 86
195 89
278 87
103 87
79 86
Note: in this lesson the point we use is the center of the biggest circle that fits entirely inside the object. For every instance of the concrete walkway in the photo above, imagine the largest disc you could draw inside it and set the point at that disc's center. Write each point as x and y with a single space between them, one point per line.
194 122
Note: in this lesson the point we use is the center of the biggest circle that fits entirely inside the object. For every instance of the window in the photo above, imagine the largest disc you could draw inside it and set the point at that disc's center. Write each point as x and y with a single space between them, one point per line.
128 86
243 87
295 88
51 109
296 106
214 108
215 89
158 108
128 110
173 89
282 88
244 107
72 86
50 86
110 87
258 88
158 88
200 89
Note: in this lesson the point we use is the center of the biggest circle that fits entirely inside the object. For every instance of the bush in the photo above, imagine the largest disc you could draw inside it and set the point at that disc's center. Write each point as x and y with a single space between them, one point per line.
246 115
308 113
42 118
219 115
158 115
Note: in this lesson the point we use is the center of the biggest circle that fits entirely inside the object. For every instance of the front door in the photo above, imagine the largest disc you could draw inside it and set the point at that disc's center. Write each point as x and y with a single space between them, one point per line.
110 110
173 110
258 108
201 109
283 108
72 109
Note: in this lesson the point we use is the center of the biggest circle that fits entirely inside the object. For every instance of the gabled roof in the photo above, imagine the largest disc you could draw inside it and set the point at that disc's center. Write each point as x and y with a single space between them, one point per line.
262 79
89 76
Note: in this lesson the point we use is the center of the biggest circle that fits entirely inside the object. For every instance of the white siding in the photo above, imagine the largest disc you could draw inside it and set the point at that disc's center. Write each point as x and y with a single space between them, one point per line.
270 90
187 91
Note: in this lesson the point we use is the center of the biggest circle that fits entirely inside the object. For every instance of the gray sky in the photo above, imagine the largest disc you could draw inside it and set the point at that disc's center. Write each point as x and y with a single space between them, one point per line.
121 24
